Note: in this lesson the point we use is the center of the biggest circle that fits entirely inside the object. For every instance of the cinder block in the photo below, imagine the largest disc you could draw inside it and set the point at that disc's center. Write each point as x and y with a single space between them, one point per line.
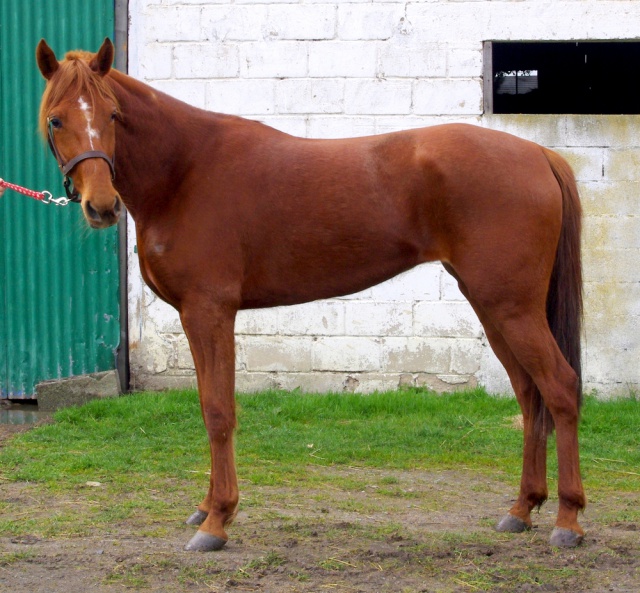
416 355
395 123
607 233
407 58
275 353
206 60
378 319
448 96
172 23
340 126
465 62
198 2
369 21
606 265
300 21
418 284
622 164
310 95
233 22
296 125
610 198
273 59
613 131
241 96
491 374
342 58
319 318
252 382
351 354
438 21
466 356
604 298
547 130
311 382
449 290
155 62
164 317
183 358
441 319
163 381
257 322
192 92
587 163
377 96
76 391
445 383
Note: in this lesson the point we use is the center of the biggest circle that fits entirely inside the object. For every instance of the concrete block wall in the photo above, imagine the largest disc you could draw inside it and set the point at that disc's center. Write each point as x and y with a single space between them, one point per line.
322 68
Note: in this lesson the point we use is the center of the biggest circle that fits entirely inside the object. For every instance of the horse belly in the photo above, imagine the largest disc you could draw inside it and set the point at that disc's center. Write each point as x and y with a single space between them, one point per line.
297 272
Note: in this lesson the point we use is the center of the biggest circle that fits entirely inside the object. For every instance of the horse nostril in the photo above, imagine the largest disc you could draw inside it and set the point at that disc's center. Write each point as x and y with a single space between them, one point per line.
92 213
117 206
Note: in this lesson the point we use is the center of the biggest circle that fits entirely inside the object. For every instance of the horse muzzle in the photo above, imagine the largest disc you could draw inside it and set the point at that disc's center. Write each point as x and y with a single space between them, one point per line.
101 214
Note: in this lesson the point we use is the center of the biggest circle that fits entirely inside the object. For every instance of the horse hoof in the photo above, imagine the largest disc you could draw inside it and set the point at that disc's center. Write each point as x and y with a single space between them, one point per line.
565 538
205 542
512 524
197 518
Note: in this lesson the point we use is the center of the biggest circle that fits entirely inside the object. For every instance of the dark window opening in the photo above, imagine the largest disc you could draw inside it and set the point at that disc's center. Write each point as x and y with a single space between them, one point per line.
563 77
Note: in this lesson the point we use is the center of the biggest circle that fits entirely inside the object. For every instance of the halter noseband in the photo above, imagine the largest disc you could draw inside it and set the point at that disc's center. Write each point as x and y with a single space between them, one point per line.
66 168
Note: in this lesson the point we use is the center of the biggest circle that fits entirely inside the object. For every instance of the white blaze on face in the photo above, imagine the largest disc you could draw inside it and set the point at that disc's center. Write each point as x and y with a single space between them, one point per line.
91 131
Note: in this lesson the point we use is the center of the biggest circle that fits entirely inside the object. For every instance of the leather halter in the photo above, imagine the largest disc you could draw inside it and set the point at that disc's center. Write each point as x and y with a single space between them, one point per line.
66 168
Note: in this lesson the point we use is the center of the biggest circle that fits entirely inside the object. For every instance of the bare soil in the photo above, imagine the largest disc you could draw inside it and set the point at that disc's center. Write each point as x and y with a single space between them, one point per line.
406 531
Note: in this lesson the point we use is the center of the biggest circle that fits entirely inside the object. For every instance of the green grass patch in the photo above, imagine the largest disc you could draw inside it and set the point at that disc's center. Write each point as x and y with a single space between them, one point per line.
129 442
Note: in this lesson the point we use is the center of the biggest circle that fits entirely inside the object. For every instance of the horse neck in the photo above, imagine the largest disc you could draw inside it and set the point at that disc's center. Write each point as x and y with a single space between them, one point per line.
151 146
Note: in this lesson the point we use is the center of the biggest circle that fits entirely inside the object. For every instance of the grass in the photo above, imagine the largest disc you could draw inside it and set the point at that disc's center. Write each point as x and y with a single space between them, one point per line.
161 436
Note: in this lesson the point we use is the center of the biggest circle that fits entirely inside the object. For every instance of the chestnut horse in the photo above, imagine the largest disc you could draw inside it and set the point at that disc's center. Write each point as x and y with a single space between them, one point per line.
231 214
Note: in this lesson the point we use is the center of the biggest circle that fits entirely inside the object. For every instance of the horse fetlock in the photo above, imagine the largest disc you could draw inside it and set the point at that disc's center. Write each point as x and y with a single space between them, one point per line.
572 501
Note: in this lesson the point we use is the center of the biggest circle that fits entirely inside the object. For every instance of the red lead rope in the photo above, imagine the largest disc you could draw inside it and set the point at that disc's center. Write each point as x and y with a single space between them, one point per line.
36 195
42 196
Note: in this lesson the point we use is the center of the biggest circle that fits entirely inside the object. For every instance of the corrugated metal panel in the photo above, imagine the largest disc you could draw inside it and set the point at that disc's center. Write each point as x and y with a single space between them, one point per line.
59 293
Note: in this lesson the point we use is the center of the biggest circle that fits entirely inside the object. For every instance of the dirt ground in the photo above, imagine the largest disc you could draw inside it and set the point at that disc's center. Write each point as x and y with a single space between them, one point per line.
406 531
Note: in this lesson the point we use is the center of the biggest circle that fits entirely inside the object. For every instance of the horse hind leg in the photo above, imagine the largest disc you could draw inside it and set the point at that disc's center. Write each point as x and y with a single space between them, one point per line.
533 483
536 350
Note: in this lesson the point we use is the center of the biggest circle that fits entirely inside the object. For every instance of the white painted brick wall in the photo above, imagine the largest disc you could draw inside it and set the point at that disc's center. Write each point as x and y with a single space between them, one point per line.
334 68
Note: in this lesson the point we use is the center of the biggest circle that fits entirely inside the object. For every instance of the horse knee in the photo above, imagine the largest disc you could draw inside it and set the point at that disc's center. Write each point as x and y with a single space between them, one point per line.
220 424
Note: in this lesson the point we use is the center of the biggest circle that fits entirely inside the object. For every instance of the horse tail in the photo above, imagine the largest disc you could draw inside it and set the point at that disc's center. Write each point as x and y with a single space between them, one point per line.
564 299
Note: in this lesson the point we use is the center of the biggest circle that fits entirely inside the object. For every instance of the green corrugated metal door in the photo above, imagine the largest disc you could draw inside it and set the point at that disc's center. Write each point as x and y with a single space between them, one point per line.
59 294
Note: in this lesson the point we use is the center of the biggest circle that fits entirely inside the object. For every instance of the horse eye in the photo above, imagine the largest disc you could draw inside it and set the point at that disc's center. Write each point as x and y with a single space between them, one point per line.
114 116
55 122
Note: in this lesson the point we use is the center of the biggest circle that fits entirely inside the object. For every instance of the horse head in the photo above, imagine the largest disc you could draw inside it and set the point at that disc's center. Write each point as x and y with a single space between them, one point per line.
78 114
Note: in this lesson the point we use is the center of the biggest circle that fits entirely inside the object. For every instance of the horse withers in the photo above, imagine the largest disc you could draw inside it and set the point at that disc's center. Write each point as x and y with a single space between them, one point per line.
231 214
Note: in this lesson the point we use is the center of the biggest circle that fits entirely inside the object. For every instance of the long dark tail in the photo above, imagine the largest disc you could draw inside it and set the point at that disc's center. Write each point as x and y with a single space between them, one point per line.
564 300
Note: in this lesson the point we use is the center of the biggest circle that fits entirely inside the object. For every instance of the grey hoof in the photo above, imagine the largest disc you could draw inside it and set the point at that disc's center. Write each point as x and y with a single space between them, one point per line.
565 538
512 524
205 542
197 518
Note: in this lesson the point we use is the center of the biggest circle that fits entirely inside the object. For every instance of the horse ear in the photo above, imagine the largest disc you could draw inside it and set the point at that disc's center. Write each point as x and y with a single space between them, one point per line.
47 61
101 62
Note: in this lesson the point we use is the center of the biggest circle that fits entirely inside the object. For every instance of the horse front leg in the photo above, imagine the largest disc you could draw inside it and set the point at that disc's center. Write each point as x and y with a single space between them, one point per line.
210 333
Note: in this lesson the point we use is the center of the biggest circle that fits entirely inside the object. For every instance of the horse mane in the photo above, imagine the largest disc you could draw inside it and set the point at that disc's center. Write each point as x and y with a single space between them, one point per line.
73 78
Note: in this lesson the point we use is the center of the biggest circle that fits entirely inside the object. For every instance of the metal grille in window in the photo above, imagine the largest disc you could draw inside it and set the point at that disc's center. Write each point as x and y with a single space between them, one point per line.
516 82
